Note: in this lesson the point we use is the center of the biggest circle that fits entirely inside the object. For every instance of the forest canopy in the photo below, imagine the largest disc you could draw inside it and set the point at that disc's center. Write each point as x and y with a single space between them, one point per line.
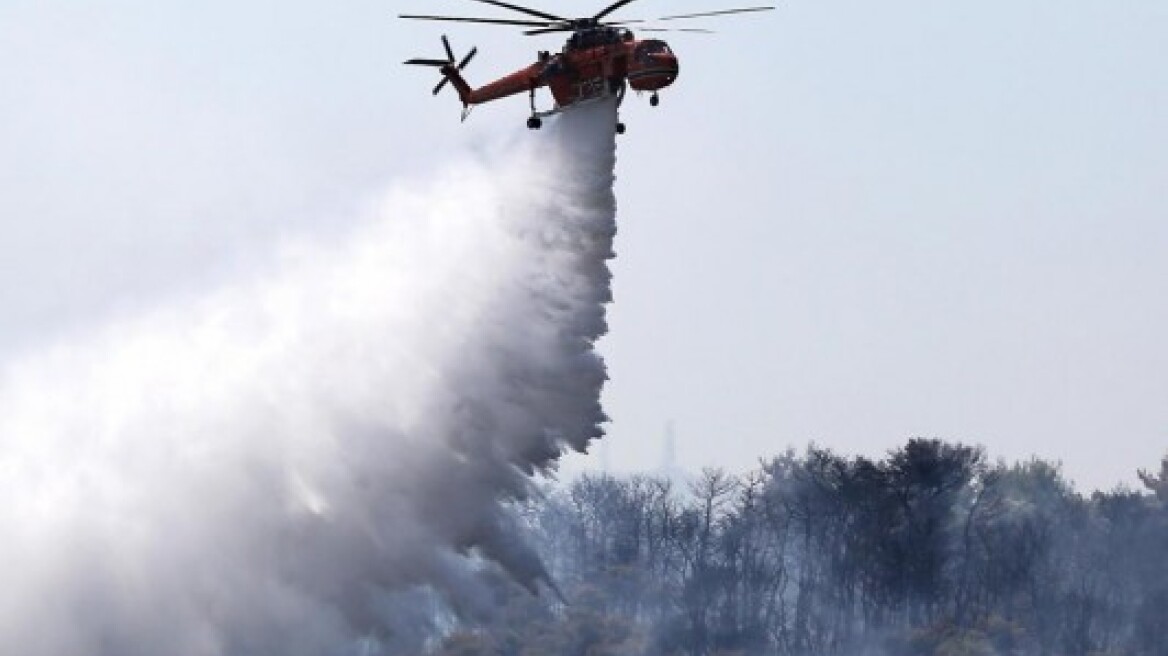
932 549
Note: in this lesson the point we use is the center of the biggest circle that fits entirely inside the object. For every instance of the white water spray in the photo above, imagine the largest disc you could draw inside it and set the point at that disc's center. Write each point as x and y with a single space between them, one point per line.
260 471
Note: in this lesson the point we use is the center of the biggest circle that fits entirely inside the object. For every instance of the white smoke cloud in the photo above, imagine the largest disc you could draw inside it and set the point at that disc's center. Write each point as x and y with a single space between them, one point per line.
260 470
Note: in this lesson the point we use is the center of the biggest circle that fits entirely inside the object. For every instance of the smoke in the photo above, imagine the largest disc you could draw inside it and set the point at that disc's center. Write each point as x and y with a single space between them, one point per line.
266 469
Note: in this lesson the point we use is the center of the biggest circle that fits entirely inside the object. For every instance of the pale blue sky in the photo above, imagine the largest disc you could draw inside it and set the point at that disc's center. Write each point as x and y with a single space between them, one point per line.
849 222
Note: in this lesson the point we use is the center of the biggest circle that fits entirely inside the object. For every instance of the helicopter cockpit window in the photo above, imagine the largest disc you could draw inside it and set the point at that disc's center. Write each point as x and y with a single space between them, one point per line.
647 48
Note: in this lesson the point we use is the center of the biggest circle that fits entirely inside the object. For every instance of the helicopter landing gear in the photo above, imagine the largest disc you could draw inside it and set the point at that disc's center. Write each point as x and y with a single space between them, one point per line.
620 128
533 123
654 99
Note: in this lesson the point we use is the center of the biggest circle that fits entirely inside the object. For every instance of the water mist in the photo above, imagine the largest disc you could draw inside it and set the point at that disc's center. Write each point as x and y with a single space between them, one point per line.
261 470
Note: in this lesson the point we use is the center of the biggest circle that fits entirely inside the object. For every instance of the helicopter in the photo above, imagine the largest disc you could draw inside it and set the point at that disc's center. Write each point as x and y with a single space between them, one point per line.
600 59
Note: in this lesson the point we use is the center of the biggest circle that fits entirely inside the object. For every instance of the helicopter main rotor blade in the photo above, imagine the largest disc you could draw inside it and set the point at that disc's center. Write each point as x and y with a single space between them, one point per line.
723 12
441 85
428 62
611 8
490 21
525 10
691 30
549 30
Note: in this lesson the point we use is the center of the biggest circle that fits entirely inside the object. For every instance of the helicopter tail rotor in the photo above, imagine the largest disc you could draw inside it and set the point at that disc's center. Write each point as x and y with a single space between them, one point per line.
446 66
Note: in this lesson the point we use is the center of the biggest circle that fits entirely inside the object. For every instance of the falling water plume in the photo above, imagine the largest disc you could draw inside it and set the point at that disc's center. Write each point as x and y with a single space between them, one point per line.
260 471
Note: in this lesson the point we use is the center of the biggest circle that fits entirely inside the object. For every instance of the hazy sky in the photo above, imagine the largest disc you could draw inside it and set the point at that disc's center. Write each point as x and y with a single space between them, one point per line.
849 221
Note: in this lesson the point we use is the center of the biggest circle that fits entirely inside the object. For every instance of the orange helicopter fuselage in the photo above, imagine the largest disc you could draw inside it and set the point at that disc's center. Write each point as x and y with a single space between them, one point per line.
582 71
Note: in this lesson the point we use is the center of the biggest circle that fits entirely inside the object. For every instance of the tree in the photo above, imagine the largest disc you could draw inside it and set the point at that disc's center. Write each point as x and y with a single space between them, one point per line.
927 479
1157 483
